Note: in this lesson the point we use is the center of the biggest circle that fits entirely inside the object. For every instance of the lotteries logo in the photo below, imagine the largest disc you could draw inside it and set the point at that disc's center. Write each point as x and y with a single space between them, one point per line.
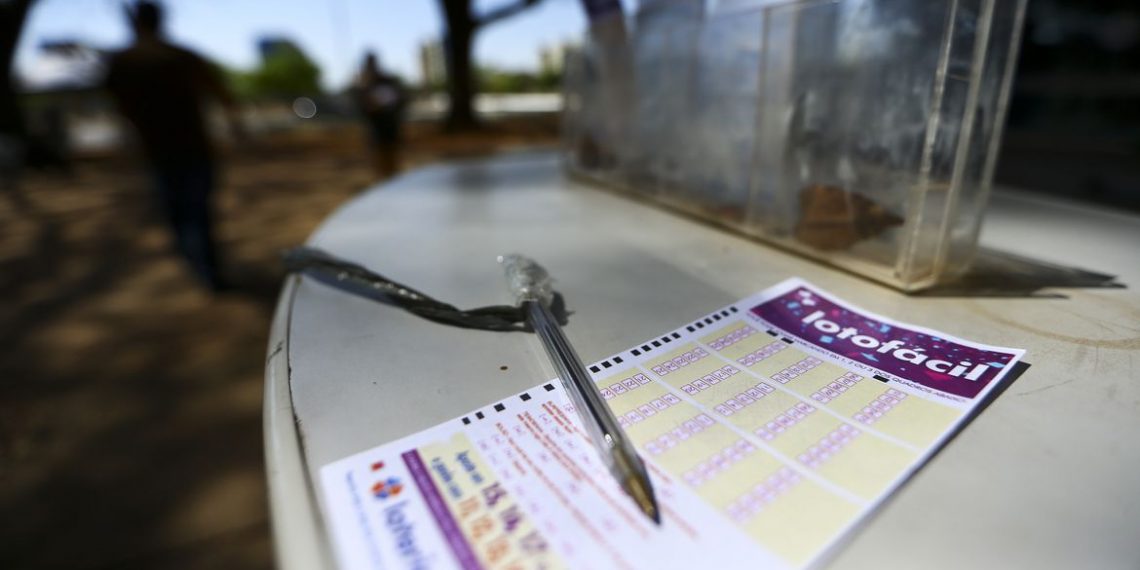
385 488
389 487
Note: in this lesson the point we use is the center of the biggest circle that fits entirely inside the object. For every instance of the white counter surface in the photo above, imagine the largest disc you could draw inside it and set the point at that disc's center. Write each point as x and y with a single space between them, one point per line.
1047 476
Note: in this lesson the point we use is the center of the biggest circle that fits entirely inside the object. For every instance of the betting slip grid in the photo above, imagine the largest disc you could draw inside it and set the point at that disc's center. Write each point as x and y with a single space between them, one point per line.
737 419
790 447
541 455
517 485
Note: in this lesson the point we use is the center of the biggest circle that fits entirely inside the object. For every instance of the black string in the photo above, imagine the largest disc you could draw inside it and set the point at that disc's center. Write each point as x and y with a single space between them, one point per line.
358 280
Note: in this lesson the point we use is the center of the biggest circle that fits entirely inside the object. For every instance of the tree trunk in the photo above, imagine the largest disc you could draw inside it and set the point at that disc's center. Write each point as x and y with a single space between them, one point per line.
460 77
12 15
461 28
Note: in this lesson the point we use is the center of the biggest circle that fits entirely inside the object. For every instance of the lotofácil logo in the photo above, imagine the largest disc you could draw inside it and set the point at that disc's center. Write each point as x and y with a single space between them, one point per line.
896 349
920 356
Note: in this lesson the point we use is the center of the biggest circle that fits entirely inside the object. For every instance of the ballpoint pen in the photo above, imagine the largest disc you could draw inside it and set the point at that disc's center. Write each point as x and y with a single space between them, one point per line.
533 289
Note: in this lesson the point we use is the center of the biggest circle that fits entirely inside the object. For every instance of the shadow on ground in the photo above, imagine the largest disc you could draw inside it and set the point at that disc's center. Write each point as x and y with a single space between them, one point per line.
996 273
130 399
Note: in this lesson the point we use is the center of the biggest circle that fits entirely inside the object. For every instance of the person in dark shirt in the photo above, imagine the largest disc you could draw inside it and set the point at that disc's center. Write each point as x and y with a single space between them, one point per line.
162 90
381 98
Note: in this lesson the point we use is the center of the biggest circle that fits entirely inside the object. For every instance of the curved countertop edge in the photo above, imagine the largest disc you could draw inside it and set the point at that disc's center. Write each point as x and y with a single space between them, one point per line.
299 541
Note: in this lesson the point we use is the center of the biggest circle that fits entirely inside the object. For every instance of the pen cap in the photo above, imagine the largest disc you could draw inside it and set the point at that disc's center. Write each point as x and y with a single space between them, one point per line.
527 280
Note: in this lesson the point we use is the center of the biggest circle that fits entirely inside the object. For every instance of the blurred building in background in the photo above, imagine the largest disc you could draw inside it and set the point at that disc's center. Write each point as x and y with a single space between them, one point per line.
433 66
552 58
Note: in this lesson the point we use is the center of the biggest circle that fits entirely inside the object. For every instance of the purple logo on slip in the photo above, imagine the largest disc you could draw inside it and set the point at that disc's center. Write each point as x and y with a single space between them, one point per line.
938 363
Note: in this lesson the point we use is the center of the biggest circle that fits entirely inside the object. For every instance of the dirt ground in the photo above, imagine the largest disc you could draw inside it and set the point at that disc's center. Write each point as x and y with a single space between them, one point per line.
130 397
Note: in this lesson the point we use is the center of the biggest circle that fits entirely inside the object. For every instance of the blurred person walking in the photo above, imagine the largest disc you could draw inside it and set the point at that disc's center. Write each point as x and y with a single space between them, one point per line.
381 98
162 89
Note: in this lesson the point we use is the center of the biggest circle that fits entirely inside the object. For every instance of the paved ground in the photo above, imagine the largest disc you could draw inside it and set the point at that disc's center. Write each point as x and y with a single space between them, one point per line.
130 399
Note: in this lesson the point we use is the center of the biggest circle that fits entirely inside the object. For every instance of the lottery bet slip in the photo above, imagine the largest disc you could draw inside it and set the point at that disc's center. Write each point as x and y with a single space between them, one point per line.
771 428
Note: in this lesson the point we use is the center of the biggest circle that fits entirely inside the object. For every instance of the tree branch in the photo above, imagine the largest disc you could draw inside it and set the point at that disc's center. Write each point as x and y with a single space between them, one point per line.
12 16
504 11
14 12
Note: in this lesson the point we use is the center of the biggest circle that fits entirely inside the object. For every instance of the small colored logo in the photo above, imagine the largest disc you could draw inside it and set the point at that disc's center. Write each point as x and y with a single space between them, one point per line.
389 487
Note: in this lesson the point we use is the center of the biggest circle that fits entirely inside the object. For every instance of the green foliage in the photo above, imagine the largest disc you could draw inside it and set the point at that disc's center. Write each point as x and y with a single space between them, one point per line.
549 80
287 72
498 81
284 74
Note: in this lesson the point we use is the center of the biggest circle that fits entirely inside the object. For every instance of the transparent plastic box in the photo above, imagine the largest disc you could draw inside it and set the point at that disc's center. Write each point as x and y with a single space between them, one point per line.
859 132
663 69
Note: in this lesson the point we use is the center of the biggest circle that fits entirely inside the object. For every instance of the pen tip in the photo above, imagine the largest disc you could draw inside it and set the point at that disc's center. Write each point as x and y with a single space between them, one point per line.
642 493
